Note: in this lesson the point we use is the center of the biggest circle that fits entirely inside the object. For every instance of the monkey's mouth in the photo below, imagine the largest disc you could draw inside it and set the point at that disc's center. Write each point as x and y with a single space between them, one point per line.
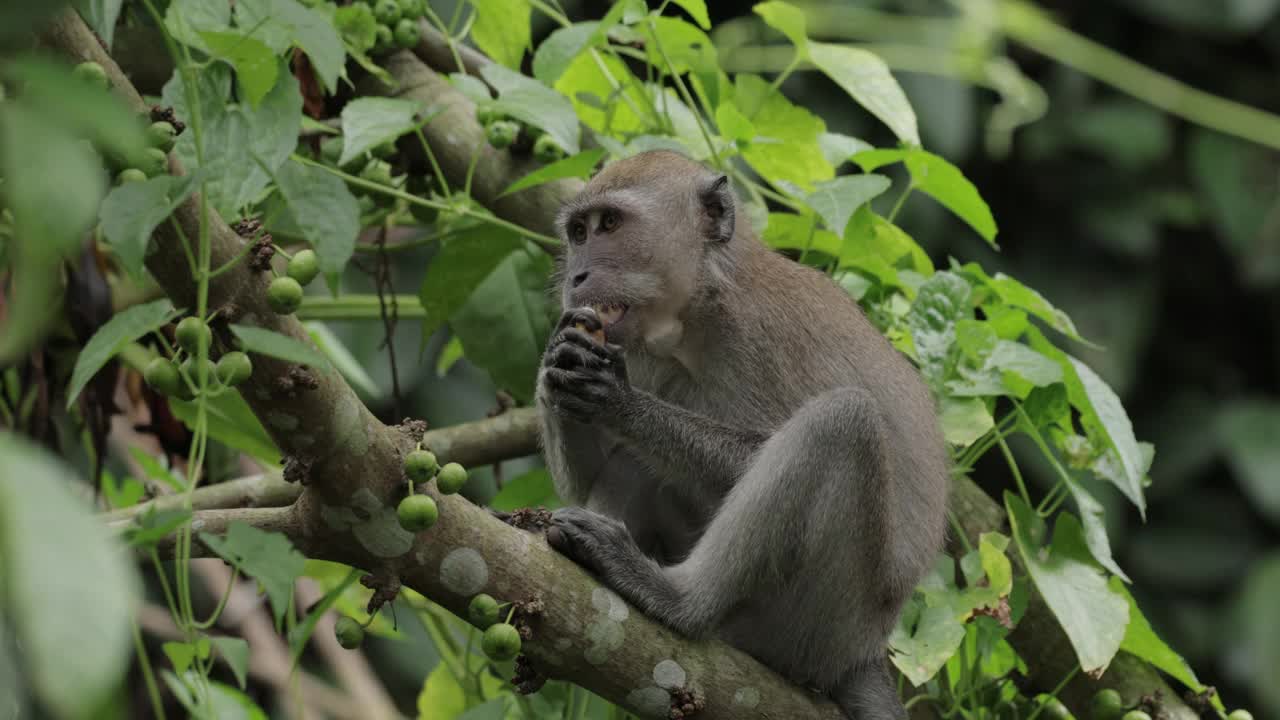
610 314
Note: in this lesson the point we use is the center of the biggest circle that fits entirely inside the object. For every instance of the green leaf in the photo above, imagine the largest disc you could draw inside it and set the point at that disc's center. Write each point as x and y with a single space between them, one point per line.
839 149
786 143
560 48
940 180
242 135
343 361
123 492
1142 641
505 323
836 200
70 590
234 652
112 337
585 83
786 19
1247 431
535 104
1013 293
788 231
232 423
940 303
277 345
450 354
225 702
267 557
531 489
324 210
300 634
733 124
870 238
868 81
131 212
255 65
154 525
574 166
180 654
1105 419
502 29
370 121
187 19
308 28
1094 522
964 420
684 48
697 10
461 265
441 697
1093 615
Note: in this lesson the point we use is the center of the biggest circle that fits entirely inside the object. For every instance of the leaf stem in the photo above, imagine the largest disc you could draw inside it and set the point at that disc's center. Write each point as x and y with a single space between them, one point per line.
148 676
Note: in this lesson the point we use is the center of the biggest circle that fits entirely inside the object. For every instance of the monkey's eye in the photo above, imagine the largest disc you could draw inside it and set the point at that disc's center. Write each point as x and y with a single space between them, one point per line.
609 221
578 232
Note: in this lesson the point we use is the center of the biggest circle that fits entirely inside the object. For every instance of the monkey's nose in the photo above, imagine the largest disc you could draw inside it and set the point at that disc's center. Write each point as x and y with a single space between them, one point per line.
580 278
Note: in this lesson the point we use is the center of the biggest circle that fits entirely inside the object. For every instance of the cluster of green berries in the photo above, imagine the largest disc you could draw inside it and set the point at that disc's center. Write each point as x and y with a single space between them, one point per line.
501 641
397 23
373 166
503 132
193 335
152 160
284 295
1108 705
417 512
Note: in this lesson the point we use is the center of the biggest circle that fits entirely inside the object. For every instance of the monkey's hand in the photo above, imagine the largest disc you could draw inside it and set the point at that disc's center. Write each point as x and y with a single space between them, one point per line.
596 542
583 379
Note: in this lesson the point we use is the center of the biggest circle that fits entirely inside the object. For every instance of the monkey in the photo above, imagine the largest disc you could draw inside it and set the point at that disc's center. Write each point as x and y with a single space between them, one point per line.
744 456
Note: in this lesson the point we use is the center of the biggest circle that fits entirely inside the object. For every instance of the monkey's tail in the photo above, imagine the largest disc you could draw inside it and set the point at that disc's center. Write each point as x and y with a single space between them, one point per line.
868 693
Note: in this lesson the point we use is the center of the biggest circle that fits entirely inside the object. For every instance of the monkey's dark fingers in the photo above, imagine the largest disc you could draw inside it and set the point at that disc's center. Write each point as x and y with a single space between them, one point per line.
571 356
584 316
582 339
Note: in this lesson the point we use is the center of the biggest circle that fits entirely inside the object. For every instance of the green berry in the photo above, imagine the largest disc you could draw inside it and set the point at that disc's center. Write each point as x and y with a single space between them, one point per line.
304 266
547 150
1136 715
451 478
152 161
377 171
1055 710
284 295
349 631
486 115
91 73
501 133
190 332
366 204
483 611
501 642
162 376
234 368
417 513
407 34
386 40
387 12
1107 705
384 150
191 368
1240 714
129 175
420 465
161 135
411 9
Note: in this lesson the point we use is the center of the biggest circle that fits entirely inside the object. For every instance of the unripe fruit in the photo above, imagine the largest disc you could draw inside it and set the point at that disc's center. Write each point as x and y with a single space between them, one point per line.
411 9
189 334
349 632
501 133
377 171
420 465
417 513
1106 705
162 376
304 266
152 161
483 611
501 642
234 368
161 135
387 12
284 295
451 478
91 73
487 115
129 175
1136 715
407 34
1240 714
1055 710
547 150
386 41
366 204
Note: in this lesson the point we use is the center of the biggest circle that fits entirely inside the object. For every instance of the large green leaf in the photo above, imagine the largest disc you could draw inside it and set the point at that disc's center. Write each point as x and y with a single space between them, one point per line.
371 121
1015 294
255 65
574 166
786 19
187 19
237 137
112 337
1093 614
132 211
533 103
836 200
1141 640
441 697
502 29
786 144
505 322
940 180
1106 421
224 701
286 22
941 302
267 557
460 266
69 589
867 80
697 10
560 48
531 489
324 210
232 423
277 345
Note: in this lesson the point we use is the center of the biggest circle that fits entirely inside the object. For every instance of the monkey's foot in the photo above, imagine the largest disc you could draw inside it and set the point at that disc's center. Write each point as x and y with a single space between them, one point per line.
590 539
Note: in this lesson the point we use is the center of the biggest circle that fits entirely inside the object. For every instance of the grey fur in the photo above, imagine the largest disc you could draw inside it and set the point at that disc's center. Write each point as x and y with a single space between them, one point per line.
754 460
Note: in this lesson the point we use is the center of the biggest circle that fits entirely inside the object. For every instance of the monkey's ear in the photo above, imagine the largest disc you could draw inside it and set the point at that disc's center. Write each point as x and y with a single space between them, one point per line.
717 208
